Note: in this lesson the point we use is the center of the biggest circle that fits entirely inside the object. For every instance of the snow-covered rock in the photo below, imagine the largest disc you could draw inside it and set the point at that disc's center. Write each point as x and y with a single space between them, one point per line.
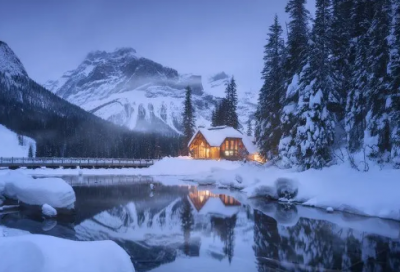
52 191
47 254
48 210
329 210
130 90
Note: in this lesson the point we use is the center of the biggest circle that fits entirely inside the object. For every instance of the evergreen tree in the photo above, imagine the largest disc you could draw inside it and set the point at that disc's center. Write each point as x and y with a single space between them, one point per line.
395 89
315 125
268 130
297 52
343 56
297 44
30 152
249 128
356 107
221 113
377 133
231 103
188 118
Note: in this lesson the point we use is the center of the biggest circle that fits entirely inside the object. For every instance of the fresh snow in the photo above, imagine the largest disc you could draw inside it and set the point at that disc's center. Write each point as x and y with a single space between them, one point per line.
48 254
48 210
52 191
10 145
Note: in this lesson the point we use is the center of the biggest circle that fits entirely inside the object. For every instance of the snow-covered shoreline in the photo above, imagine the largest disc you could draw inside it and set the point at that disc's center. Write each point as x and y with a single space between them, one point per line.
372 193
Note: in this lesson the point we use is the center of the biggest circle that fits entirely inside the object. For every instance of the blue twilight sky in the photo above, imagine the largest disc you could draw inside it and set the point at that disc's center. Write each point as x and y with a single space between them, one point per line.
192 36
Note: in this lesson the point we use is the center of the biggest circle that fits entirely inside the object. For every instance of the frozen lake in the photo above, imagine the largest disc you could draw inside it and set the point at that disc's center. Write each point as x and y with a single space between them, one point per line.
189 228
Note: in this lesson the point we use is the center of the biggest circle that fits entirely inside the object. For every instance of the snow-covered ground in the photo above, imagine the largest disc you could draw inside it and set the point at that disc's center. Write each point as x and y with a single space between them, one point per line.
12 145
51 191
372 193
47 254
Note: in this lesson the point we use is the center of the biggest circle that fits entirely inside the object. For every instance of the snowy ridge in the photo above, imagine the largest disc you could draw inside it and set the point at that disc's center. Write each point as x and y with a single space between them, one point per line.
10 65
129 90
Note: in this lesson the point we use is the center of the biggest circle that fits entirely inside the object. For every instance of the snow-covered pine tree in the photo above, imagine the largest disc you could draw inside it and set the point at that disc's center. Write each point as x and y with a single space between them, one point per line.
356 107
188 118
395 89
296 58
268 130
249 131
30 152
297 44
315 125
377 133
232 101
214 117
343 56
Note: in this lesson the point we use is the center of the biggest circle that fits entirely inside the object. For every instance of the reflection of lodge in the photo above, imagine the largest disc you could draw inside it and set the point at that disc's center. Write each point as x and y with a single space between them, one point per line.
200 198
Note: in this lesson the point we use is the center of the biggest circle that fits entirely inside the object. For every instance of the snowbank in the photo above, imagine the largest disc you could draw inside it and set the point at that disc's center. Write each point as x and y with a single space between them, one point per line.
13 145
49 211
52 191
47 254
373 193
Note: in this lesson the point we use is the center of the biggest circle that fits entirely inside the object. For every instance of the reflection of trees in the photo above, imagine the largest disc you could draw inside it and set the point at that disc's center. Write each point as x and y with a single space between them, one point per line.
225 228
187 223
266 240
316 244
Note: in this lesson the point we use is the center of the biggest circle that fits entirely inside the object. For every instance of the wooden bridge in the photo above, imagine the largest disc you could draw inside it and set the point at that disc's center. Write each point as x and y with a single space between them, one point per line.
15 163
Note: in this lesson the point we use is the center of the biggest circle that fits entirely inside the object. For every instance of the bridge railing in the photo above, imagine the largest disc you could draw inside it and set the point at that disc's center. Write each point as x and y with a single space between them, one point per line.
88 162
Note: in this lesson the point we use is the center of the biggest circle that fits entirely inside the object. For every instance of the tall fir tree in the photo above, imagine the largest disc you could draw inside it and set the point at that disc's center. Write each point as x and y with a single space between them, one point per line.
268 130
356 104
188 117
297 44
343 56
232 119
315 126
249 131
395 89
377 134
297 53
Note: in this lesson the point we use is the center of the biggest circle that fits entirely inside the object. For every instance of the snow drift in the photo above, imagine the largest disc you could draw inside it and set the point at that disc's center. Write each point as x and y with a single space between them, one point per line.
52 191
47 254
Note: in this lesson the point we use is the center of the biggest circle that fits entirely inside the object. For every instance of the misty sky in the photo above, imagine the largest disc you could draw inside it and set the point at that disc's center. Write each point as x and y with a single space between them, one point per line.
192 36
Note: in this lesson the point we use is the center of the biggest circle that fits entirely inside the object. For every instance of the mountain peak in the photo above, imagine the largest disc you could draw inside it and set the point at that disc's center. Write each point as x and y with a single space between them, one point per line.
10 65
121 52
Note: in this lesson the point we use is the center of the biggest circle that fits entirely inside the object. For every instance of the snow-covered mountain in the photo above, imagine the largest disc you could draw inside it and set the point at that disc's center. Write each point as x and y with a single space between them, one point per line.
129 90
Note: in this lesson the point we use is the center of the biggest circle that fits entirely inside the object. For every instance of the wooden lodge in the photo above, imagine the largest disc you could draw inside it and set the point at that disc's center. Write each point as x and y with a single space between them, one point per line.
222 143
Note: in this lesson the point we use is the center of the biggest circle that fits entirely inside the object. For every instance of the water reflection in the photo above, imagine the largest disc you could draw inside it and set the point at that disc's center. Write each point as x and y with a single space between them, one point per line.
182 228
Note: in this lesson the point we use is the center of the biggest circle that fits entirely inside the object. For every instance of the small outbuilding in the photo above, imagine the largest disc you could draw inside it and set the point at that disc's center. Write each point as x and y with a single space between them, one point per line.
222 143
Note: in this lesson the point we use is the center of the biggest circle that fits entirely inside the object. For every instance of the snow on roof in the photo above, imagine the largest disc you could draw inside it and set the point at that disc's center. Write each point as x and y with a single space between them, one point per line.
215 136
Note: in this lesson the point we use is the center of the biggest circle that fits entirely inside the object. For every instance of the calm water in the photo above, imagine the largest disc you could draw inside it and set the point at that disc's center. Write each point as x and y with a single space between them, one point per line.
184 228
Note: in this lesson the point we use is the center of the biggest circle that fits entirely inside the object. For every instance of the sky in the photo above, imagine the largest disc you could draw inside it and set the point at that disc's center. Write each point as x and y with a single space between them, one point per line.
192 36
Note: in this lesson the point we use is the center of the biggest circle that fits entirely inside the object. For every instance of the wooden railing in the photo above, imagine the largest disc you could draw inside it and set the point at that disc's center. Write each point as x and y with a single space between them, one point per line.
14 163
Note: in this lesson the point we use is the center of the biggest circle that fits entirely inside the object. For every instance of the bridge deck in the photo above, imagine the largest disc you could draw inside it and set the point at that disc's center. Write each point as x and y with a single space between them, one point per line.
14 163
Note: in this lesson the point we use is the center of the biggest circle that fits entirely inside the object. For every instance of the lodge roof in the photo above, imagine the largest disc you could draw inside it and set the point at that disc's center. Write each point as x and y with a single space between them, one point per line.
215 136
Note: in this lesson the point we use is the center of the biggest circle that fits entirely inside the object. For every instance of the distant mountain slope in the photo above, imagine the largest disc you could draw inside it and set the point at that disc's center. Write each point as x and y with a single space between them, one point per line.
138 93
59 127
13 145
